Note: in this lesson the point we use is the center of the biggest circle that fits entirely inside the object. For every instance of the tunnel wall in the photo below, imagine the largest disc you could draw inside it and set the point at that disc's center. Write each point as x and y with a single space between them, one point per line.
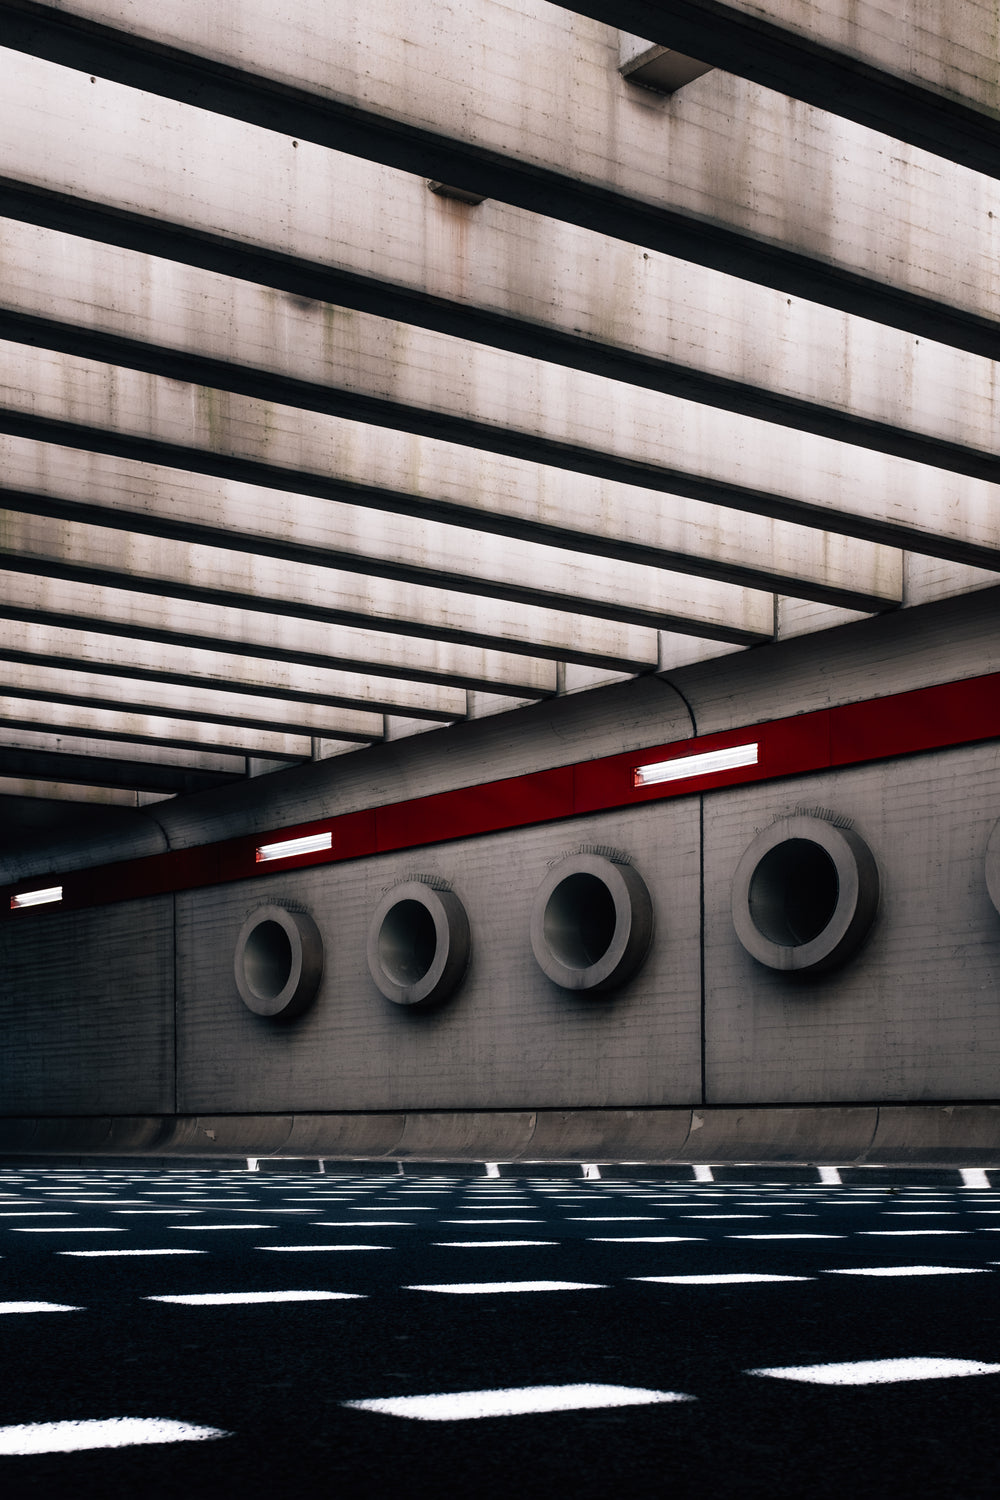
133 1009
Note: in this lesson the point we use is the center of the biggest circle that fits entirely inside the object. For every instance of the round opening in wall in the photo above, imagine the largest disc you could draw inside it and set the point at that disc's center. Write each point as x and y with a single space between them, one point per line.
580 920
418 943
591 923
993 866
278 962
267 960
407 942
793 892
805 894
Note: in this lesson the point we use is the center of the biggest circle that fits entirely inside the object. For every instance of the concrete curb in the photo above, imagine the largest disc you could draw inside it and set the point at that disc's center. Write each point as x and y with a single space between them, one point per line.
846 1137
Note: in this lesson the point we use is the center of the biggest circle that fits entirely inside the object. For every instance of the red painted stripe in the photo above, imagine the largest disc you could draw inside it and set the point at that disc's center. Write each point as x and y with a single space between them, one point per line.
954 713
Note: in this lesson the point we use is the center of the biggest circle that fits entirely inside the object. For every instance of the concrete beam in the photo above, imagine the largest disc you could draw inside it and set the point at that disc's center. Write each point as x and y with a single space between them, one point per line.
513 280
122 770
32 741
61 791
928 73
738 177
316 532
136 726
127 612
210 705
183 570
191 666
714 467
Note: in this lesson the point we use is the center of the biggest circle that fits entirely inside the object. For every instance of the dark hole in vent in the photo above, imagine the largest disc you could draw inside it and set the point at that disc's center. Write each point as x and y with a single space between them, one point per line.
267 960
793 893
407 942
580 921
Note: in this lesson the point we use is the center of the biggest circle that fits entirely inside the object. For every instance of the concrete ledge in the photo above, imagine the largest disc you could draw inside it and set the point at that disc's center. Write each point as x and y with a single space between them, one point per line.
860 1137
479 1136
837 1134
596 1135
344 1136
963 1134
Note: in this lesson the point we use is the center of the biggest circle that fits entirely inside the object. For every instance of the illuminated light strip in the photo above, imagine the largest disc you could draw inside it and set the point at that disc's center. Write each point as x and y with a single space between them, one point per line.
312 843
682 767
36 898
221 1299
113 1432
881 1371
461 1406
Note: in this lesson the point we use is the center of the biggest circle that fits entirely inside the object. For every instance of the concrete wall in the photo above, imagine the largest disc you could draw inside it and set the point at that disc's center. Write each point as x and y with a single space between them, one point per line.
87 1013
88 999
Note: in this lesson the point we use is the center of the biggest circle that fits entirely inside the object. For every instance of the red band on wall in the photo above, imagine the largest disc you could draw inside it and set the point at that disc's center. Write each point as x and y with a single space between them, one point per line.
955 713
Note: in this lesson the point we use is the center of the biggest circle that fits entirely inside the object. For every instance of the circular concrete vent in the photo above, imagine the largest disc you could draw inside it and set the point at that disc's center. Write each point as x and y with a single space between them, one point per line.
805 894
418 943
278 962
993 866
591 923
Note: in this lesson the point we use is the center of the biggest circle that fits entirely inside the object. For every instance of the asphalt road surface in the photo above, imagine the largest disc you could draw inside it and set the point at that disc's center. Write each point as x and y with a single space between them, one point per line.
194 1333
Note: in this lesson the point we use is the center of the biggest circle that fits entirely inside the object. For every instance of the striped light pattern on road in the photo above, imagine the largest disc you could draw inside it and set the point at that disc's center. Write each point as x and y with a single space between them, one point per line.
881 1371
459 1406
219 1299
90 1254
475 1288
795 1236
225 1228
316 1249
111 1432
727 1278
906 1271
33 1307
488 1244
645 1239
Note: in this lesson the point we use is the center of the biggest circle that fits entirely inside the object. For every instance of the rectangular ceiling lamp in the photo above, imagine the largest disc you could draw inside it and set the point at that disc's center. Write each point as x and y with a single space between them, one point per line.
36 898
312 843
682 767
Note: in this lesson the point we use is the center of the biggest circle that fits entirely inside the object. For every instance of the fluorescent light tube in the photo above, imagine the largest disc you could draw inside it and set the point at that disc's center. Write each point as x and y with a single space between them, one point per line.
36 898
310 844
683 767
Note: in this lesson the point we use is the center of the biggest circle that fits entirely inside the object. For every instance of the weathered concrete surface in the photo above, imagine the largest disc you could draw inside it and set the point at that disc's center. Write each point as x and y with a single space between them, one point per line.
551 290
945 45
634 437
910 1135
56 789
719 151
365 525
82 651
914 1016
84 1033
309 592
508 1039
134 615
150 728
165 756
202 704
312 531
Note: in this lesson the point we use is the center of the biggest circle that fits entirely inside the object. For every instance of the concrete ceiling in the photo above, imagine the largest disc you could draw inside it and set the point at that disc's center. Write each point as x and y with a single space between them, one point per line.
299 454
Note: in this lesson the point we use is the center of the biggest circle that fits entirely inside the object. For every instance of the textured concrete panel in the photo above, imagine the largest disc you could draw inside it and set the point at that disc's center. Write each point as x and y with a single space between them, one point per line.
726 150
508 1039
86 1012
915 1016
